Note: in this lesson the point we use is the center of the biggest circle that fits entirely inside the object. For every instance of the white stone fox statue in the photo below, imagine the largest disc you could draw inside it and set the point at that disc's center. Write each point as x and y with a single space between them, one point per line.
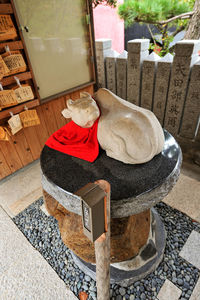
126 132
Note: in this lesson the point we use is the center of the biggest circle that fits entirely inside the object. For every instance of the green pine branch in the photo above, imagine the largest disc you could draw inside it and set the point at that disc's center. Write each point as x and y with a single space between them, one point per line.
153 12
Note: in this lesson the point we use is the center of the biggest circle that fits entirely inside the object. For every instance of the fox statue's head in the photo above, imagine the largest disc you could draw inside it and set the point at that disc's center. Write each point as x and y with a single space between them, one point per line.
84 111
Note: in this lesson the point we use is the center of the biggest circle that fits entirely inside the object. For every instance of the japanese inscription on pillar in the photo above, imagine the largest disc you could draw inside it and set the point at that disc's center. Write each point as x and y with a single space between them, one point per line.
192 105
103 49
121 66
137 52
185 55
111 71
161 86
148 78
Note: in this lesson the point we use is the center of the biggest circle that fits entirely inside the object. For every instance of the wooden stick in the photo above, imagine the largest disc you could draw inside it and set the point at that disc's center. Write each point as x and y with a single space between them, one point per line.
102 249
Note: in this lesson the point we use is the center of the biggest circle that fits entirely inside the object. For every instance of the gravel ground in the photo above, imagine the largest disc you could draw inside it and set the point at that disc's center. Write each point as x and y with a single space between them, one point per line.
43 233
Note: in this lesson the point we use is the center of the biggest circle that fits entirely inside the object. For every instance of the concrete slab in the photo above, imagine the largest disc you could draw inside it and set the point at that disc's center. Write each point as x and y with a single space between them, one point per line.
185 197
169 291
21 189
24 273
191 249
196 292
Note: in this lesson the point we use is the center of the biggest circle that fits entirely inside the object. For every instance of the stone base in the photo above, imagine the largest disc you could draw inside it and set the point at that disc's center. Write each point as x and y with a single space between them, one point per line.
128 234
127 272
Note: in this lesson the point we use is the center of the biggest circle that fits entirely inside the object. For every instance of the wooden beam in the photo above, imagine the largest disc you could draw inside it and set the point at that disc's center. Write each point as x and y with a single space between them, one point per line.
49 117
11 155
16 45
22 77
6 8
17 109
4 168
22 147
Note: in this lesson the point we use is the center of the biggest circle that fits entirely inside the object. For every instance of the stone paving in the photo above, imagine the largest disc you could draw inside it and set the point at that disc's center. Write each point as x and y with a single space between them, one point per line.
25 274
43 233
169 291
191 249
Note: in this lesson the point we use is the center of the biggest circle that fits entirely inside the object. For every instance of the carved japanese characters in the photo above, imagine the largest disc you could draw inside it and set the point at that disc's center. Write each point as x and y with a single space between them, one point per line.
126 132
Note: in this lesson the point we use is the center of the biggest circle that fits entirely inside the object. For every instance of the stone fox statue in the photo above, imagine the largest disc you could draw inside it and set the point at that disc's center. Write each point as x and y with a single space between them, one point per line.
126 132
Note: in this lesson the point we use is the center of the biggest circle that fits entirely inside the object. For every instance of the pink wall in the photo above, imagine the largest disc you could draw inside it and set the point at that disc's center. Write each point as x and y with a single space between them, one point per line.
107 24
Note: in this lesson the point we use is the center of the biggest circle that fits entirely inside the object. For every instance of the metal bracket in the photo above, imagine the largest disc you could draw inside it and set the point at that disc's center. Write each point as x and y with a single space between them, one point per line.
88 19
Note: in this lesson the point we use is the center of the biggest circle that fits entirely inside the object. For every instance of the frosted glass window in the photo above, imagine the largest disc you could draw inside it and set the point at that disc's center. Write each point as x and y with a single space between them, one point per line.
57 40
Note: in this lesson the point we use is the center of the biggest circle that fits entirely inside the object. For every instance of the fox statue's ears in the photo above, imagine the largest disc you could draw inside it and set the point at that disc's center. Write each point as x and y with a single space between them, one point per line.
67 112
85 95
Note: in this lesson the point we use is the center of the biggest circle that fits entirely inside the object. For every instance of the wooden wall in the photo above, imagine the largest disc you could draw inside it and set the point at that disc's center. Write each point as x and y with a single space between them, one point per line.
26 145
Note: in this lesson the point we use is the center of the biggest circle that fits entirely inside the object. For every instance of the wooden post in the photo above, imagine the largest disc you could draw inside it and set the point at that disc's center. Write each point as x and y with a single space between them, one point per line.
102 250
96 226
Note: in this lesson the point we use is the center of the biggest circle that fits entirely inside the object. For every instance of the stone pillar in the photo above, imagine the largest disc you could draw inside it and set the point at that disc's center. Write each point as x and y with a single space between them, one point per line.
192 105
121 66
103 49
186 54
137 52
148 80
111 71
161 86
198 132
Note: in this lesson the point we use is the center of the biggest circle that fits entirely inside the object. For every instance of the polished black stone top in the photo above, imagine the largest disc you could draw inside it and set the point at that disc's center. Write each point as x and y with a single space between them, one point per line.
71 173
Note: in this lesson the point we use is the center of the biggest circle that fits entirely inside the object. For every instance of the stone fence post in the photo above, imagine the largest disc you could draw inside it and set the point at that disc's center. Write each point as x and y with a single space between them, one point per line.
161 86
103 49
192 105
148 79
186 54
169 86
111 71
121 67
137 52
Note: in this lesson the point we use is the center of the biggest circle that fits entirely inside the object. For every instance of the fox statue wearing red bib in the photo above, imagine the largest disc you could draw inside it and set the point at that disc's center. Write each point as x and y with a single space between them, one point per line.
126 132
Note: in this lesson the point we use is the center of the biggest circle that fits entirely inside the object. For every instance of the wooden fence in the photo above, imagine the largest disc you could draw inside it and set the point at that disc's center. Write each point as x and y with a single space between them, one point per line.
169 86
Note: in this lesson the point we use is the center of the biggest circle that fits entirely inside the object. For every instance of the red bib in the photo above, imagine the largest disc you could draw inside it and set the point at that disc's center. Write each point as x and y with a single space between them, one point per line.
76 141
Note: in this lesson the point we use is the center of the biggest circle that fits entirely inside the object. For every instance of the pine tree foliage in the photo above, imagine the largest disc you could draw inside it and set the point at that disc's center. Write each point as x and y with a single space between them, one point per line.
151 11
111 3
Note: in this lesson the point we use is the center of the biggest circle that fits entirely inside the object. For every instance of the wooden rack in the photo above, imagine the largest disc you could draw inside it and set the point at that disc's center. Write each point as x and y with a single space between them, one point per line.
27 77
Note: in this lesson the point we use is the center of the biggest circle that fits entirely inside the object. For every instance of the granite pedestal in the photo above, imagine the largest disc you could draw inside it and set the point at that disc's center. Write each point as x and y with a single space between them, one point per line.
137 233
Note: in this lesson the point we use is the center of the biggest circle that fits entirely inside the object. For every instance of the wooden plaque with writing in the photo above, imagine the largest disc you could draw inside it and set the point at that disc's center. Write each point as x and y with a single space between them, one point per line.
7 98
7 28
29 118
15 124
14 61
23 93
3 68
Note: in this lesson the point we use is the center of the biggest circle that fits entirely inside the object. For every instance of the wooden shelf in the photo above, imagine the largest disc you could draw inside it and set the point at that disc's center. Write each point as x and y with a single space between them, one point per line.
19 108
6 9
15 45
10 79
